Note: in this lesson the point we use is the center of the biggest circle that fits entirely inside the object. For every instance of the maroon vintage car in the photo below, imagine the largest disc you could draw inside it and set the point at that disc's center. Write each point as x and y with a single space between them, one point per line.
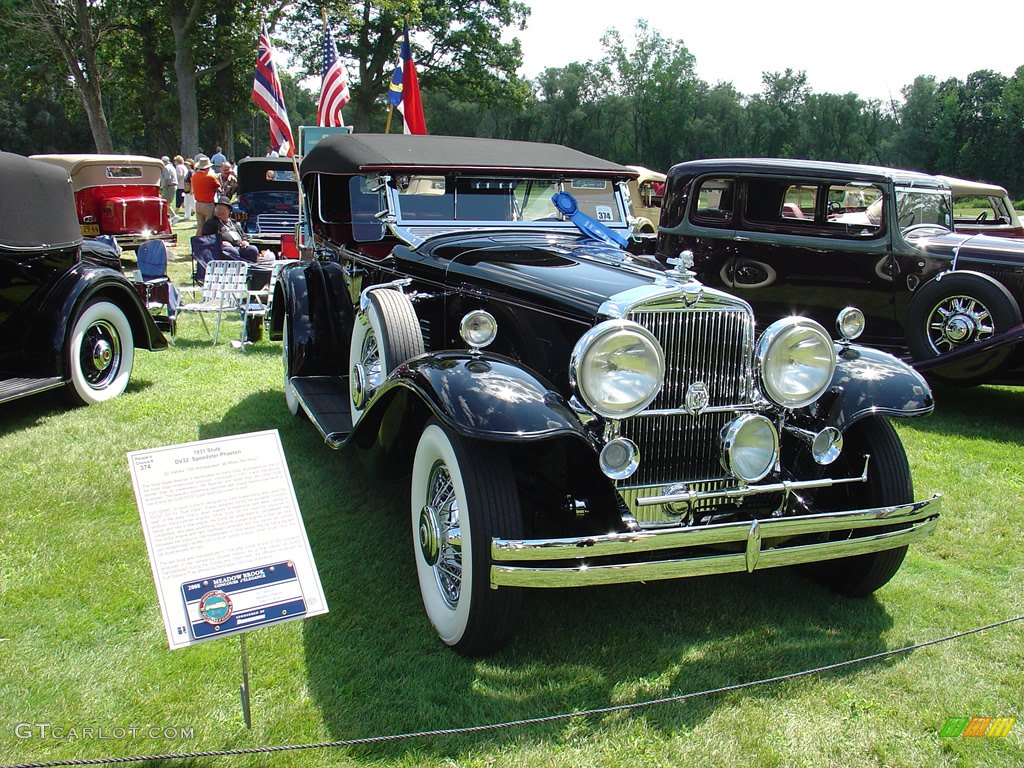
118 195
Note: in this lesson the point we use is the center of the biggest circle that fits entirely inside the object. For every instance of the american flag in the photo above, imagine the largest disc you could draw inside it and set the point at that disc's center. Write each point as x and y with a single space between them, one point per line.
334 90
266 91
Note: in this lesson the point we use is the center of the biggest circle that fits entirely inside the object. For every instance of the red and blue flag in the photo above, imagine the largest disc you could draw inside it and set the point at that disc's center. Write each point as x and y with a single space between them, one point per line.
266 91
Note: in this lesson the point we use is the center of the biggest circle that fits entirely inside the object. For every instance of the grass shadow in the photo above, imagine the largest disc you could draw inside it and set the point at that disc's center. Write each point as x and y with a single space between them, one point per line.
992 413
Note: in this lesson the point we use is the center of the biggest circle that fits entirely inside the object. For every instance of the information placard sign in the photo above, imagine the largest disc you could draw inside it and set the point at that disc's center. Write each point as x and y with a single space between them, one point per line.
225 537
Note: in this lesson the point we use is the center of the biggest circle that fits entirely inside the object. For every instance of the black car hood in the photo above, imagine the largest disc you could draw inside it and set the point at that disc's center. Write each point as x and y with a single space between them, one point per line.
570 275
986 248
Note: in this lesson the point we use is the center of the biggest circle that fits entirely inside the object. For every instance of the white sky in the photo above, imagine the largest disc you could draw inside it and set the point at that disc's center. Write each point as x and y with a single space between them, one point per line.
870 48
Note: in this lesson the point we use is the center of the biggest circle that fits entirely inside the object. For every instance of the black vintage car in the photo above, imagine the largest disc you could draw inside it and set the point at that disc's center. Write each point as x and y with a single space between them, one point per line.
268 200
813 237
572 414
65 320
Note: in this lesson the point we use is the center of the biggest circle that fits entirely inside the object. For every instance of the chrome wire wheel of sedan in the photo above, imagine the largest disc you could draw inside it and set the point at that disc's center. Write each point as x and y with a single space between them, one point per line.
384 336
958 320
463 494
101 352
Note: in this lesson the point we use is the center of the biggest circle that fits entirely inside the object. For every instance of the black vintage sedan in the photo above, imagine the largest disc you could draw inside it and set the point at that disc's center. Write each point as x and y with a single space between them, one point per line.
571 414
814 237
65 320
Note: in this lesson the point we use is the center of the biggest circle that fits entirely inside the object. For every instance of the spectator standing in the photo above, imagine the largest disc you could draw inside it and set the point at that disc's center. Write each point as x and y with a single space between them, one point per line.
271 152
169 184
190 199
205 187
228 180
181 170
217 157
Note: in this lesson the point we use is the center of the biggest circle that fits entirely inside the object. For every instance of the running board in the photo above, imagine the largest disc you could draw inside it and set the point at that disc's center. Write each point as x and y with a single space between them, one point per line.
12 389
325 400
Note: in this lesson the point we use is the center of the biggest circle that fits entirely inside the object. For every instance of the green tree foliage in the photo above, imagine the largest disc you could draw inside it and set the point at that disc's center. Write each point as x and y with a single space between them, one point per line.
457 46
177 74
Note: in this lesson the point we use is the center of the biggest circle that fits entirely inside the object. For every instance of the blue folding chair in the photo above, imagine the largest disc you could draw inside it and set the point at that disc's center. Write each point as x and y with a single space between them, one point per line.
205 248
156 289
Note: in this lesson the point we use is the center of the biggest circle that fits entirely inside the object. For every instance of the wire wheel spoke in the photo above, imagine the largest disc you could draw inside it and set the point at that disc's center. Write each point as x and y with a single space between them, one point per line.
448 569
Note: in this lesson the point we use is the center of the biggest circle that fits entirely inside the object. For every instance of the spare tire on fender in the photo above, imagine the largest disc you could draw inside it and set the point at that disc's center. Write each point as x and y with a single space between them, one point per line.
952 312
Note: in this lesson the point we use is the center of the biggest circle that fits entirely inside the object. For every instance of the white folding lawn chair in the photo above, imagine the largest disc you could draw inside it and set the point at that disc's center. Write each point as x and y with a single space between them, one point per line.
225 287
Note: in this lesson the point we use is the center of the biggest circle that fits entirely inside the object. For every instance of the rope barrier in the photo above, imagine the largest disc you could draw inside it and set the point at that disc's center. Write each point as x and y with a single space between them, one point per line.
526 721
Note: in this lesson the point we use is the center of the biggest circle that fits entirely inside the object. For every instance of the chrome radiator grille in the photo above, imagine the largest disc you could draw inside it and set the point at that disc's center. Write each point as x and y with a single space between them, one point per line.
712 344
269 223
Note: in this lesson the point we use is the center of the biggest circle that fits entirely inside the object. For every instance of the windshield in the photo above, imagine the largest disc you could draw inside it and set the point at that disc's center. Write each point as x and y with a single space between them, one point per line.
923 206
429 199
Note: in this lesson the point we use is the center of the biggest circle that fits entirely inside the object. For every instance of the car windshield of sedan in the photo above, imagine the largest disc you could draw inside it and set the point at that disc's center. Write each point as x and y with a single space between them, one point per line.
916 206
432 199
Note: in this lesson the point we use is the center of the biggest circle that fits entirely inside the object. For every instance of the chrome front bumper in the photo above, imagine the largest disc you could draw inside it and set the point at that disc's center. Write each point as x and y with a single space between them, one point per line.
577 561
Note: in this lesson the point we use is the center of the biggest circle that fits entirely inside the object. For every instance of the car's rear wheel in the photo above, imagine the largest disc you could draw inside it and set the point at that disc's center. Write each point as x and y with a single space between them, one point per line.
384 336
463 494
889 482
100 354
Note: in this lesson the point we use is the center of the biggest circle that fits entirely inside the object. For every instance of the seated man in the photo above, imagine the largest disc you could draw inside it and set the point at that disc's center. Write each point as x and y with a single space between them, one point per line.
232 240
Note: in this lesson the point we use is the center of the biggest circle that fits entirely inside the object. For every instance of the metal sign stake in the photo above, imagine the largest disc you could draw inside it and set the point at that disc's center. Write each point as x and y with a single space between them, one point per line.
244 687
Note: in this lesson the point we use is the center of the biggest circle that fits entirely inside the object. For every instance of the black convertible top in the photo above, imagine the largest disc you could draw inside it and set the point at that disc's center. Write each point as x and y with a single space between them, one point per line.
37 206
358 153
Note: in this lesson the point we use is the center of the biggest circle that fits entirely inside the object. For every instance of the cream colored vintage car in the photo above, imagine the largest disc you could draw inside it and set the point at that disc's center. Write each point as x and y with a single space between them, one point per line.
645 193
990 206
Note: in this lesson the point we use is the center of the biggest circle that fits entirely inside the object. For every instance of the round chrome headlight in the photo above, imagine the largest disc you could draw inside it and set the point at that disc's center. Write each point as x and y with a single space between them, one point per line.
750 447
478 328
795 361
617 368
850 323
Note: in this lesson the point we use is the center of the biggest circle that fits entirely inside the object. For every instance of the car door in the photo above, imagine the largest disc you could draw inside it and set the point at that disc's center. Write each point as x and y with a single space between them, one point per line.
813 247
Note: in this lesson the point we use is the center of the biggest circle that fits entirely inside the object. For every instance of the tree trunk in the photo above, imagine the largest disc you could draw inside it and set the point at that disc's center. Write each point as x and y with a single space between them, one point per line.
183 21
78 48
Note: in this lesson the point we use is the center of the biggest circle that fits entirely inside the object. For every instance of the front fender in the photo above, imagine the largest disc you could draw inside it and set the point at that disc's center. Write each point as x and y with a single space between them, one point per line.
868 381
481 396
85 283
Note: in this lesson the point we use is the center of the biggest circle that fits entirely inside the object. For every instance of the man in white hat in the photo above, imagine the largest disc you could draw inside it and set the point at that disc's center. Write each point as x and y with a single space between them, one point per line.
205 188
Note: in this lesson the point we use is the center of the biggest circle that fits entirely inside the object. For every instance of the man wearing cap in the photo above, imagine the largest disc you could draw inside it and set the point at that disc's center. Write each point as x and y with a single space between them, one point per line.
232 240
205 188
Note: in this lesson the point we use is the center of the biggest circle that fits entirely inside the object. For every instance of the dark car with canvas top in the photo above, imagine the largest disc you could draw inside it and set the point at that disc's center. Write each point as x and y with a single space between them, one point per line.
572 414
65 319
814 237
268 200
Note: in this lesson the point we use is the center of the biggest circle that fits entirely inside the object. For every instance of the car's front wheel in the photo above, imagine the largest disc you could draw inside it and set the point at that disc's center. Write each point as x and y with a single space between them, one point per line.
100 354
889 482
463 494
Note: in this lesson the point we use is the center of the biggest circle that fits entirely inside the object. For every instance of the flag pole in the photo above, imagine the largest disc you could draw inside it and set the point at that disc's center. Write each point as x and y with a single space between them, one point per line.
387 125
